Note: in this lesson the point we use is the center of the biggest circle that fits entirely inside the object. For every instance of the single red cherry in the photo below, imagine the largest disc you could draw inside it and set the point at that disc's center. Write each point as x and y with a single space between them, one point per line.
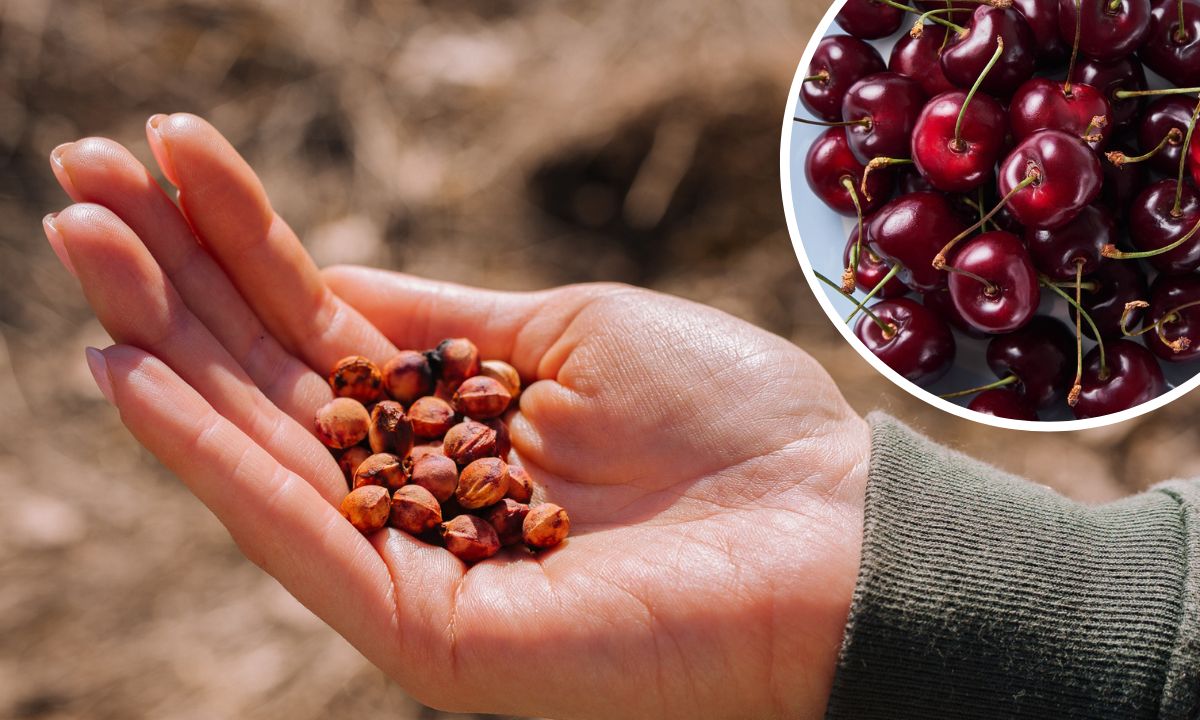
868 19
1106 33
1111 287
835 175
1040 355
910 230
920 59
1175 309
964 162
839 62
1042 18
967 54
1077 109
1002 402
1057 253
871 270
1171 112
1173 46
920 346
1109 77
1131 376
1067 178
891 103
1155 223
1002 292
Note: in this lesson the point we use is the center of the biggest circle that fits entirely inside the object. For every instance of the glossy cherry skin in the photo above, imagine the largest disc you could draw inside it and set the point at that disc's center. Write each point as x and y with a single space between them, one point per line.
939 301
1133 378
1108 77
965 56
911 230
1194 160
1057 252
1105 34
1123 184
871 269
869 20
1070 179
1168 293
1165 113
829 160
1001 259
1166 52
1116 283
1152 225
960 167
1042 357
1042 18
920 59
922 348
1002 402
1042 104
846 60
892 102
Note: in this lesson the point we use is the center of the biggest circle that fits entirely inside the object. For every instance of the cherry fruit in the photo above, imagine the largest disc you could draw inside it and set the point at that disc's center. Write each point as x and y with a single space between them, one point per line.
966 55
1040 355
868 19
839 62
835 175
964 162
1042 18
1173 46
1113 285
890 102
1107 32
920 59
1066 178
1003 402
1155 222
1110 77
919 346
1078 244
1175 310
1164 115
1077 109
910 230
1001 293
1130 377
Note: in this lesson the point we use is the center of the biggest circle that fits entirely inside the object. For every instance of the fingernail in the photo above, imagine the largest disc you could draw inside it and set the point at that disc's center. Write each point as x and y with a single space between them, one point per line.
159 148
60 170
56 242
99 368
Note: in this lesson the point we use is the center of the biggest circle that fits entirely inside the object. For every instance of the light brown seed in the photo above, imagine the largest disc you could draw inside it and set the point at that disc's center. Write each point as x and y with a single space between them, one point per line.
545 526
481 398
468 441
504 373
350 459
367 508
414 510
430 448
383 469
358 378
391 431
520 484
470 538
508 518
457 359
431 417
484 482
341 422
408 376
436 473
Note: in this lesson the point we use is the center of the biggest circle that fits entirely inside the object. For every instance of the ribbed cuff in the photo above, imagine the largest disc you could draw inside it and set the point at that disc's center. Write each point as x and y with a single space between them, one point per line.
983 595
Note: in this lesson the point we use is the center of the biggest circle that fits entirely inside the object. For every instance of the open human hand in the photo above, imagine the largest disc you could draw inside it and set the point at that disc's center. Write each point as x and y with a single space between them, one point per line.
713 471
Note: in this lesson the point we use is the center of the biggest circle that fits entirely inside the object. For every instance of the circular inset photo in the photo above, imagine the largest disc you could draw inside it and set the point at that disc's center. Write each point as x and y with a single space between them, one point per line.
996 202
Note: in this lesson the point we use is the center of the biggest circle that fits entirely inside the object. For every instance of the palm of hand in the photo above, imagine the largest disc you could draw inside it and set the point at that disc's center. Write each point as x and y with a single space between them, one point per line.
712 471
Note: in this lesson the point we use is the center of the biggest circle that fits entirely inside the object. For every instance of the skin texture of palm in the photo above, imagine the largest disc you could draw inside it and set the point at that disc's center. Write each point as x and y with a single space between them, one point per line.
713 472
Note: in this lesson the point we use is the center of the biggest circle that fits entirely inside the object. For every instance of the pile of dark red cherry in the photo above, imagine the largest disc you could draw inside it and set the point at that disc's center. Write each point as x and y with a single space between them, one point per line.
1010 150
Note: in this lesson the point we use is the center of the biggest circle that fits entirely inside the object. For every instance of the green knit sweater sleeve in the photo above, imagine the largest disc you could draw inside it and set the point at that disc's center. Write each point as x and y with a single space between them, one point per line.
982 595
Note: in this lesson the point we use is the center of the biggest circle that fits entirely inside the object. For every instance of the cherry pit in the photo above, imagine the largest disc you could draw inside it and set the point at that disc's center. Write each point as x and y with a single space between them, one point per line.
1022 177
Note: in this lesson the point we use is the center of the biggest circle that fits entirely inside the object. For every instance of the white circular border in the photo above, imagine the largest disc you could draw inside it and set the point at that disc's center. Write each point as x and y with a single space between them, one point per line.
785 175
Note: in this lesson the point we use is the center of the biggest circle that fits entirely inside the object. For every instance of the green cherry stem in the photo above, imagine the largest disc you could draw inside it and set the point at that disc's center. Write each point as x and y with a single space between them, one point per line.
848 273
1074 48
891 273
866 122
957 143
821 77
1049 284
888 329
1177 210
1111 251
1126 94
1174 136
875 164
1181 33
1002 382
909 8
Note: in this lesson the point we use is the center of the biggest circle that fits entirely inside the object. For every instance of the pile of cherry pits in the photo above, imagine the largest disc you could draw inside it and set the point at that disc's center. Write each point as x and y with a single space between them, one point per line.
1009 149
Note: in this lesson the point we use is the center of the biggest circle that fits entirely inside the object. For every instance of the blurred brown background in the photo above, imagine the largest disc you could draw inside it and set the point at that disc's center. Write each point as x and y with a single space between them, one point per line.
516 144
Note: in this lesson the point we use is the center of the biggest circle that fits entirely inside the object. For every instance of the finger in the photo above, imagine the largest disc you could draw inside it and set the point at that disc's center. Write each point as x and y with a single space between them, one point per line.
101 171
137 304
226 205
277 519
